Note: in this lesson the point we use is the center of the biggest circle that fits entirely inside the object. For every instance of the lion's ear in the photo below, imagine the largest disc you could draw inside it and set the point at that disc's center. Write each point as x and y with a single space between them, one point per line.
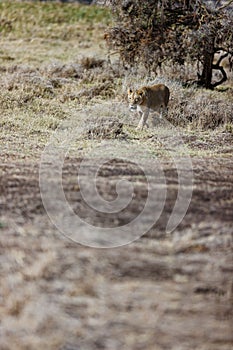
143 92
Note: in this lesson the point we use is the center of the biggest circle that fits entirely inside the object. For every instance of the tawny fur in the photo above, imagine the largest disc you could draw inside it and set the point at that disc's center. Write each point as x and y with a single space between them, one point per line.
155 97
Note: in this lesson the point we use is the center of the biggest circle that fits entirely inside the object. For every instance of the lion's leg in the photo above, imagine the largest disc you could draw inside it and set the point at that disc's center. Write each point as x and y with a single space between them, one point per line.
146 115
140 113
143 120
155 118
163 111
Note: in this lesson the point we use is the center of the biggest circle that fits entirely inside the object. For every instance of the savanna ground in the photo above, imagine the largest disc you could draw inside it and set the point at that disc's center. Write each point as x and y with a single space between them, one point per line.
163 291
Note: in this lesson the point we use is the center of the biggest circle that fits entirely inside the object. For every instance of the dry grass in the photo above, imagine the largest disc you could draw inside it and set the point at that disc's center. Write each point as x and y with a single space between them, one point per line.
35 99
200 109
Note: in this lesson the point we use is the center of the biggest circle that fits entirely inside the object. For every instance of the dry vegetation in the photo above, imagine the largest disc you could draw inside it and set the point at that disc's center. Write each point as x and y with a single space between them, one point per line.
164 291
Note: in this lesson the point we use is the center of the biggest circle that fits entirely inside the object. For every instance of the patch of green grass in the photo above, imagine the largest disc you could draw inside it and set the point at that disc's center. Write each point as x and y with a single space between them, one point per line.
46 18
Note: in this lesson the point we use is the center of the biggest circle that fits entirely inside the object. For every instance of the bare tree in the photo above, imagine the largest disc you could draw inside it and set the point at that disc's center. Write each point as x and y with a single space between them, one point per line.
151 32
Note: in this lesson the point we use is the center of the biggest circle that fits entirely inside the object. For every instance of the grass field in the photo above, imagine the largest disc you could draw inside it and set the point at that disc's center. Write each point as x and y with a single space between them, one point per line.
60 89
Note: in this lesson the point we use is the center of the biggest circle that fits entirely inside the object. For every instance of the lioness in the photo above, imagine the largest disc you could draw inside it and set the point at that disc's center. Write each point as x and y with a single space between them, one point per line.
148 98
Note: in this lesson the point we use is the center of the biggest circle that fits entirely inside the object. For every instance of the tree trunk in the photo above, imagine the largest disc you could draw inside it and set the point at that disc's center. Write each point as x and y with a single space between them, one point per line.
206 76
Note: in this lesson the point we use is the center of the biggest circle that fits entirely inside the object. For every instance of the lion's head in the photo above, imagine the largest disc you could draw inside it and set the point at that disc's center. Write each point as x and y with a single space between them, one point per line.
135 97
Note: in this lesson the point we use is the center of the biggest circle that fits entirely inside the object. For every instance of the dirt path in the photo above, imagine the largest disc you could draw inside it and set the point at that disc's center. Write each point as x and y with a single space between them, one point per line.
164 291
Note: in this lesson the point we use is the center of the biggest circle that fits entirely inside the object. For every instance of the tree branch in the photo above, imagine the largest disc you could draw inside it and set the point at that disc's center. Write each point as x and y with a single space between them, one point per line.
217 49
224 75
224 6
220 59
